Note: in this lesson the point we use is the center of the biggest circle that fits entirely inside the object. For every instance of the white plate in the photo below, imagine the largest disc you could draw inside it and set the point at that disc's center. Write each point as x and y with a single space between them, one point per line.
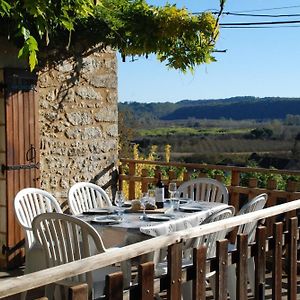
181 200
99 211
190 208
107 220
158 218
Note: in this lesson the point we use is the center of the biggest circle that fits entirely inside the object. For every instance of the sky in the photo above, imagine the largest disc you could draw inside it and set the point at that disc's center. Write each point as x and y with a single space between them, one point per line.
258 62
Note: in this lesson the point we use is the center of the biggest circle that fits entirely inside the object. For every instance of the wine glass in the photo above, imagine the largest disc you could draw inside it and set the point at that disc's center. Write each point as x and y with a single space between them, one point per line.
172 190
144 201
119 202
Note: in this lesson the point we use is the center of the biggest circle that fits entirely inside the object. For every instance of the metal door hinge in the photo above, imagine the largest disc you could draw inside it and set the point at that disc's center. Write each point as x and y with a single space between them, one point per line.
19 167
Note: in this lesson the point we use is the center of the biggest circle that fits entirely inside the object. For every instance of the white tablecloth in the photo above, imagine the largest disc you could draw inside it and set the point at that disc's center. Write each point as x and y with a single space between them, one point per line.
184 220
133 229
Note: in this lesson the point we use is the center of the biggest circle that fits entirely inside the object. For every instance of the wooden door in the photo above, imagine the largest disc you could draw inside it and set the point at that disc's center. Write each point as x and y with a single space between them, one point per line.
22 149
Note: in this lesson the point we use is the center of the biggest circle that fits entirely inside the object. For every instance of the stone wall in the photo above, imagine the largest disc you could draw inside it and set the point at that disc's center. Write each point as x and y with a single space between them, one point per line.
78 119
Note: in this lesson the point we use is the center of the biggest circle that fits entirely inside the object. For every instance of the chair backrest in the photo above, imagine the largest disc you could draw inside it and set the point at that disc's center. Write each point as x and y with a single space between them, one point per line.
64 239
204 189
29 203
210 239
255 204
84 196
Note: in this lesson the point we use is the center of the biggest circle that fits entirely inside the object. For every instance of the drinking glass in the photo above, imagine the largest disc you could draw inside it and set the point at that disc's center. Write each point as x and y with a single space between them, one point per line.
144 201
151 194
119 202
173 191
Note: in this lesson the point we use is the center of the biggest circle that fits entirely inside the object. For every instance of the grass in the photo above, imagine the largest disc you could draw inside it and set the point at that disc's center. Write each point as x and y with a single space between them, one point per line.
188 131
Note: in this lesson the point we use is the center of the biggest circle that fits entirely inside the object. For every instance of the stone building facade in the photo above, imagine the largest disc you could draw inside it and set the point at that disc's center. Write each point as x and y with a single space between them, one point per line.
79 121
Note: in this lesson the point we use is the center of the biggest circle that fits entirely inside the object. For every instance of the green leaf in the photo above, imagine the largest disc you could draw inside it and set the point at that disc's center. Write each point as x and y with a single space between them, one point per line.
29 50
25 33
4 8
21 53
67 24
32 60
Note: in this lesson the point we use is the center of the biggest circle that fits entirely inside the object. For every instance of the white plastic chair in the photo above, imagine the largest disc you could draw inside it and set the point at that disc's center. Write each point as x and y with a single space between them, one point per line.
204 189
64 239
255 204
29 203
209 240
84 196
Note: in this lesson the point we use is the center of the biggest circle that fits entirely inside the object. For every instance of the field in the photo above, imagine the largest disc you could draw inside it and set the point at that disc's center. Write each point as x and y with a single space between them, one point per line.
220 141
188 131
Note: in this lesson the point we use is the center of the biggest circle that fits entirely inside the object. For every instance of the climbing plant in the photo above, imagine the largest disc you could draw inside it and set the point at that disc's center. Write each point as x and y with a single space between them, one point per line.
135 28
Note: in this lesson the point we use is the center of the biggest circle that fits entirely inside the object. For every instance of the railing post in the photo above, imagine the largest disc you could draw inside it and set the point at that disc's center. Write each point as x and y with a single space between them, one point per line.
234 200
242 278
271 185
114 286
146 281
260 262
221 276
291 258
145 174
235 181
219 177
186 176
291 187
199 265
174 271
121 172
277 261
252 184
132 167
78 292
172 175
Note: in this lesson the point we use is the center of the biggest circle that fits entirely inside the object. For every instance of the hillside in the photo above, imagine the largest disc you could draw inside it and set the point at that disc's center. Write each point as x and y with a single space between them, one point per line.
236 108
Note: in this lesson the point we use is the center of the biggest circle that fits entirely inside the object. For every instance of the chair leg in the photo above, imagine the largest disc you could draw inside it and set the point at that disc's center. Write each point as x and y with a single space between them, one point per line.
187 290
231 282
126 270
23 295
212 283
251 274
50 291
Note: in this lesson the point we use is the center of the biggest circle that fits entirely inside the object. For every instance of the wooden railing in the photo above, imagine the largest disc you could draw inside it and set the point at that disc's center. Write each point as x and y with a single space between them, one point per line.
135 173
172 282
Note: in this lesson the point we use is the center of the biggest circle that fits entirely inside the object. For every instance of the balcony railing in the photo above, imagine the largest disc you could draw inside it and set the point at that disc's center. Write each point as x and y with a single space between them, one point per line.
136 176
281 244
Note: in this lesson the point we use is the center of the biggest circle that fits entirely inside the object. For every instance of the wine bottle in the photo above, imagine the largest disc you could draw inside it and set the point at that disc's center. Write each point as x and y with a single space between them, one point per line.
159 192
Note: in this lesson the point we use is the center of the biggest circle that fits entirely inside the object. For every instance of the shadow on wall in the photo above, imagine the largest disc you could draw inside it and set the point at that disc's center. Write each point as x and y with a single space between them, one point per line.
110 186
112 183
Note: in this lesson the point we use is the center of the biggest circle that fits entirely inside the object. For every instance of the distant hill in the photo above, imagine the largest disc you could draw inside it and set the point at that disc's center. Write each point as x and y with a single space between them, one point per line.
236 108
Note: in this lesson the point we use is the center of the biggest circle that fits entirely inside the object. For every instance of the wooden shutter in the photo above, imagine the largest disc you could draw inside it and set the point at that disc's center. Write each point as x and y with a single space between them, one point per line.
22 148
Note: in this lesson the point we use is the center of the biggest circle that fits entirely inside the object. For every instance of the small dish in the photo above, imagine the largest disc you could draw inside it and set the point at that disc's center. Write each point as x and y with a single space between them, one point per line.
190 208
157 218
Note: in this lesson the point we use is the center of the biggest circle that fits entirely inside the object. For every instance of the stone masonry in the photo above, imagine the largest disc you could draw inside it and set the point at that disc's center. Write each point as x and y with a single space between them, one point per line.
78 121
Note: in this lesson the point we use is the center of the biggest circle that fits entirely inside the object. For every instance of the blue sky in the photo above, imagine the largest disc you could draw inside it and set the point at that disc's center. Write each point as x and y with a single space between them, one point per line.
258 62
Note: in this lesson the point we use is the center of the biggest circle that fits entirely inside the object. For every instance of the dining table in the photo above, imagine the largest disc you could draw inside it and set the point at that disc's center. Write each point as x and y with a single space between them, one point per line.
119 227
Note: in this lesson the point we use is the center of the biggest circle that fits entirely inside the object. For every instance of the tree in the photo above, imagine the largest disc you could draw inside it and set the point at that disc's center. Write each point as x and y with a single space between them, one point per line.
133 27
